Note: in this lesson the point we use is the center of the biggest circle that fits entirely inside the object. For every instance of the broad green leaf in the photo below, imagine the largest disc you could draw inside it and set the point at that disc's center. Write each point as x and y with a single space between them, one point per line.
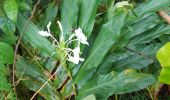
138 57
147 7
8 38
6 25
164 75
102 44
69 13
23 6
3 70
4 84
31 35
50 14
11 9
87 14
6 53
1 10
123 59
111 9
8 28
141 25
90 97
152 34
165 37
135 28
163 57
33 78
116 83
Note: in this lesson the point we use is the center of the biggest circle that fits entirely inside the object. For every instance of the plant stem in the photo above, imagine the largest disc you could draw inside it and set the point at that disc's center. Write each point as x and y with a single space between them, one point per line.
116 97
44 85
150 93
71 77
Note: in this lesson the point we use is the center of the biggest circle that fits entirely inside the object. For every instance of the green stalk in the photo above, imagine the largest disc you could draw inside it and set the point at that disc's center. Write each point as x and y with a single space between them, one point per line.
150 93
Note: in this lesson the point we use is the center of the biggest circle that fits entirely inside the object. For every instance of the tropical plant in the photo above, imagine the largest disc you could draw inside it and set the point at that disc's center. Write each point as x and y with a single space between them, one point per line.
81 49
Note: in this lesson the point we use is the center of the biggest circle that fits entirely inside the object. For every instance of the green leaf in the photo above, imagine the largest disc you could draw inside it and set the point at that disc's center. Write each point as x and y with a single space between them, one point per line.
69 13
122 59
116 83
23 6
87 14
163 57
34 78
152 34
136 27
8 38
6 53
164 75
137 57
50 14
4 84
141 25
6 25
111 10
31 35
90 97
102 44
147 7
11 9
3 70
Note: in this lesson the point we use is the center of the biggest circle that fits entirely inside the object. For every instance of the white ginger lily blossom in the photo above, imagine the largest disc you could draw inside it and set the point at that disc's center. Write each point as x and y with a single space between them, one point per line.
122 4
73 55
80 36
60 26
44 33
48 27
75 58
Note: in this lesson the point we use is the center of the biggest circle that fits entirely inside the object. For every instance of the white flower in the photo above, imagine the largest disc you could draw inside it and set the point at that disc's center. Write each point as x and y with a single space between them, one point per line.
75 58
48 27
80 36
60 26
123 3
44 33
73 55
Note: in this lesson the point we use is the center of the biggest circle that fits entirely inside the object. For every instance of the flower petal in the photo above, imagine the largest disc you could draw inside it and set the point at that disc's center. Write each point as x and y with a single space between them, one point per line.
48 27
76 57
80 36
123 3
44 33
60 26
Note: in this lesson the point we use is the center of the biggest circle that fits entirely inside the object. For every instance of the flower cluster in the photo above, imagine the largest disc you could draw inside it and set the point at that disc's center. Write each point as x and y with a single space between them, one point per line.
73 55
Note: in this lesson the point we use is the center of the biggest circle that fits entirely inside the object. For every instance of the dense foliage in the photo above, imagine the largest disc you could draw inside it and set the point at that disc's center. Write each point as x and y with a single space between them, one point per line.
102 49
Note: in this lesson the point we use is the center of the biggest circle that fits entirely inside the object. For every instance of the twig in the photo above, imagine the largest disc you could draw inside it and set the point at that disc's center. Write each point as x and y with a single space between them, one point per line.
43 85
157 91
164 15
151 96
17 45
